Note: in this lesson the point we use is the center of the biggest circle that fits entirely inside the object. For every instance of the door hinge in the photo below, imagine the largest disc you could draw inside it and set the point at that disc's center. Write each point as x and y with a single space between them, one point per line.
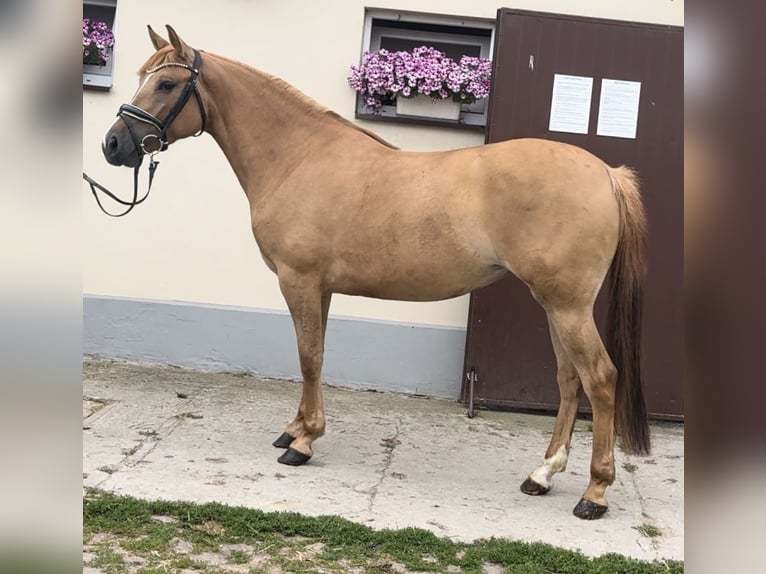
472 378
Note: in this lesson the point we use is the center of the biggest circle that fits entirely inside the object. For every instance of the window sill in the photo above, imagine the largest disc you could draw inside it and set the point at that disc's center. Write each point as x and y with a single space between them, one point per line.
470 119
96 82
97 77
430 122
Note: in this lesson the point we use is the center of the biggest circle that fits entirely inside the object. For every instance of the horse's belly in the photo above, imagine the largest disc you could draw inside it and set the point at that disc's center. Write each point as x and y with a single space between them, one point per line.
423 281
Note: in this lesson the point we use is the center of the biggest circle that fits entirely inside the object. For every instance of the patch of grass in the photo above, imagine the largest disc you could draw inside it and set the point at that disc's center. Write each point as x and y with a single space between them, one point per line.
108 560
648 530
283 538
155 538
238 557
185 562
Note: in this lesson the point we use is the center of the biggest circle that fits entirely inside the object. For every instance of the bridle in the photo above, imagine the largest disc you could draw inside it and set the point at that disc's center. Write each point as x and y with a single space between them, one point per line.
162 127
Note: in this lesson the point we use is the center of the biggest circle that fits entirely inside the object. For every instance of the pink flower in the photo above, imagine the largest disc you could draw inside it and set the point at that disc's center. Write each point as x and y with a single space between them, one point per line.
384 75
97 40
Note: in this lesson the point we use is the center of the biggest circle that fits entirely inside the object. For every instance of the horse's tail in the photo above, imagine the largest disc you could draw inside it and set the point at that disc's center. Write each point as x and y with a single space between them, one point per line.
624 315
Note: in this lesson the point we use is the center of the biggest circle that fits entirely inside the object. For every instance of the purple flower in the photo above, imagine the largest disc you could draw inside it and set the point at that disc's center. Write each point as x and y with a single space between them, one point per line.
384 75
97 42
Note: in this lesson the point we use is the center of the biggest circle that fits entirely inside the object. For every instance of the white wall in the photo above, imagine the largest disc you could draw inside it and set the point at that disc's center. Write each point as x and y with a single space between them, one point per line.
191 240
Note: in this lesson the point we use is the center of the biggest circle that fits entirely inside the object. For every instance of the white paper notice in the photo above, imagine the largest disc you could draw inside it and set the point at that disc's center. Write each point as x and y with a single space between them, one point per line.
570 107
618 108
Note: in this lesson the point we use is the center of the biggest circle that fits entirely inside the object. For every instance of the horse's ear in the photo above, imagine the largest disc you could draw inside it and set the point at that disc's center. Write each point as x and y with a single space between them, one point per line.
182 49
157 41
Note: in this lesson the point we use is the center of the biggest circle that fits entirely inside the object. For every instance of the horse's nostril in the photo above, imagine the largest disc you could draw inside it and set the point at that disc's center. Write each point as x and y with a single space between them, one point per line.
112 144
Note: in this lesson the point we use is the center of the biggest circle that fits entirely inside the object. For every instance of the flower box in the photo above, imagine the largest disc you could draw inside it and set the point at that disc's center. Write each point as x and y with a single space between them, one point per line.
420 106
97 77
94 69
425 72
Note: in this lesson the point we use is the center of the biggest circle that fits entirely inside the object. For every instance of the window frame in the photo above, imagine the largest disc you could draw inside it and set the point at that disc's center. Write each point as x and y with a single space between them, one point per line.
473 116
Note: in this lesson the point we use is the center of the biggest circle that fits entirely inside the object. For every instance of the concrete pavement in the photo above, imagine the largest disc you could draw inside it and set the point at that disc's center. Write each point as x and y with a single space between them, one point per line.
386 460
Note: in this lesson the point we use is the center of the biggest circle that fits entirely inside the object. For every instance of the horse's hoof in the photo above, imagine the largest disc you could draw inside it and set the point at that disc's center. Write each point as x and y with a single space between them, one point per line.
533 488
284 441
293 457
588 510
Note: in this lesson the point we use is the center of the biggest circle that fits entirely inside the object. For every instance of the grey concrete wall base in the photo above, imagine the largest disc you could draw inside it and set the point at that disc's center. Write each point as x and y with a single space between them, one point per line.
409 358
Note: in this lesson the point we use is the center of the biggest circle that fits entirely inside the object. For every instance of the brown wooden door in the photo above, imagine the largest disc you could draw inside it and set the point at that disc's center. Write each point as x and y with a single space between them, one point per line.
507 341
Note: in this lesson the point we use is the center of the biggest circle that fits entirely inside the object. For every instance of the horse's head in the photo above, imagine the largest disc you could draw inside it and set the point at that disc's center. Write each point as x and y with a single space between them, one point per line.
158 114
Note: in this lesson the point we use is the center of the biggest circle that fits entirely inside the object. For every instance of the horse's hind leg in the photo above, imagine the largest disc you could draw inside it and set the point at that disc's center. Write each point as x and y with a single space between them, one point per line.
581 342
296 426
308 308
570 388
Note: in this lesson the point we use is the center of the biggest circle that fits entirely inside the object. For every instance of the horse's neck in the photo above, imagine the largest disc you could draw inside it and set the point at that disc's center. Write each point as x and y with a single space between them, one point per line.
264 126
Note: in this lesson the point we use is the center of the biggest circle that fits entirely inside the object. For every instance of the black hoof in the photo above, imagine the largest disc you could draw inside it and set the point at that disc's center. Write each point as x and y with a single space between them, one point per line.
532 488
588 510
284 441
293 457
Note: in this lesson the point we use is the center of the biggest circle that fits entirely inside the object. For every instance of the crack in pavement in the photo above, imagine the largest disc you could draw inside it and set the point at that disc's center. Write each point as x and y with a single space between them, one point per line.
138 453
164 431
96 408
653 542
389 444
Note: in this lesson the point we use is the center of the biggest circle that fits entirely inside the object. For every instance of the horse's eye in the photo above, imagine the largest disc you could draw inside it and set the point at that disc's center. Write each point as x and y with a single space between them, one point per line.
166 86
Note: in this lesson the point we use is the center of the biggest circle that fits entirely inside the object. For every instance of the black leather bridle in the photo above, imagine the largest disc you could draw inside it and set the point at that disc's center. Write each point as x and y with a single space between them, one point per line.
162 126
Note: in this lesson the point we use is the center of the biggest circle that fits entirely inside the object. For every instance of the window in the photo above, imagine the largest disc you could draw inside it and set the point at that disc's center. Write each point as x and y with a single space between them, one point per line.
93 75
455 36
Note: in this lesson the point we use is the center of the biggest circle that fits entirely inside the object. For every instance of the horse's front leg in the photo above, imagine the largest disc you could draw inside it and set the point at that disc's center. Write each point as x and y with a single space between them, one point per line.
308 308
295 427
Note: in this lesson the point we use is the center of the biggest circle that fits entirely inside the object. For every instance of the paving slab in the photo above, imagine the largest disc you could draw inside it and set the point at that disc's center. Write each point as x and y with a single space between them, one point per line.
387 460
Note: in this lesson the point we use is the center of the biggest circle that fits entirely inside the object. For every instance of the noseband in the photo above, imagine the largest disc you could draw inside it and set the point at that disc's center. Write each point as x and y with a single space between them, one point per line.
162 126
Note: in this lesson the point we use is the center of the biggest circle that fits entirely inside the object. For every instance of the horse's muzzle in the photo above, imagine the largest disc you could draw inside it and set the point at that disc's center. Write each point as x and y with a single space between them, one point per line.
120 151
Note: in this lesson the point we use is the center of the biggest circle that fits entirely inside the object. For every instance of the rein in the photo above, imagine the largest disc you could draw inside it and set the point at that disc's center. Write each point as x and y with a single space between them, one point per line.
162 126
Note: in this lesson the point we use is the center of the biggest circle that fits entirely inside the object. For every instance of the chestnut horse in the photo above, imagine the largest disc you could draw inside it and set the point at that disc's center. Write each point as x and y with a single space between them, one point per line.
335 209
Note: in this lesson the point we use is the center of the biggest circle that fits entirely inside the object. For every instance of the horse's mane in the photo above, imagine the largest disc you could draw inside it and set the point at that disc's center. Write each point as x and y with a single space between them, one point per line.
314 106
366 132
318 109
308 101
